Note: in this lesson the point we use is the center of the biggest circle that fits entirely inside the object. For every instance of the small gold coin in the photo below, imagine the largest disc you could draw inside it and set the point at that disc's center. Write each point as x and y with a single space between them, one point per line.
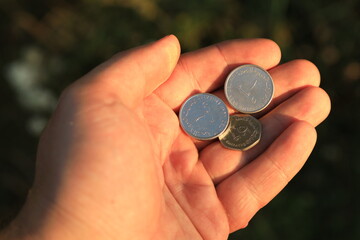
243 132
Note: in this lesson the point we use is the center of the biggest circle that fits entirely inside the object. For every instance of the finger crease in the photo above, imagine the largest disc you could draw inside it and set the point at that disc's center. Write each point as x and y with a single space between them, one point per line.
218 48
253 193
284 177
194 82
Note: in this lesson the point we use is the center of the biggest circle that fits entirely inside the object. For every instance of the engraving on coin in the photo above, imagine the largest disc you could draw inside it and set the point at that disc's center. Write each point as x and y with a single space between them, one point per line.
204 116
243 132
249 88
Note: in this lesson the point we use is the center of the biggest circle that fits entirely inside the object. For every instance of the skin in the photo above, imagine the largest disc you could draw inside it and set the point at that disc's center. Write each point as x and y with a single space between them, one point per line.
113 162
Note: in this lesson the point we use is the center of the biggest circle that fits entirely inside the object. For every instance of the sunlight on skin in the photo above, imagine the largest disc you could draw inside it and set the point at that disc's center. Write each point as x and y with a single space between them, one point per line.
113 162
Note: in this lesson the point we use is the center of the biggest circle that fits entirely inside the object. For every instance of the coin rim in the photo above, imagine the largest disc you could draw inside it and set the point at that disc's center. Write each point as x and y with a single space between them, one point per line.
226 88
199 138
225 133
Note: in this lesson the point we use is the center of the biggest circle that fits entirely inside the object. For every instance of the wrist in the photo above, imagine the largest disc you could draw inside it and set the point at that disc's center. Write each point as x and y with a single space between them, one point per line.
16 231
22 227
37 220
12 232
41 219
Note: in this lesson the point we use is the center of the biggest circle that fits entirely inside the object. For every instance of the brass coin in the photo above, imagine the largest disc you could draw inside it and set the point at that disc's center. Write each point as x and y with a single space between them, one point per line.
243 132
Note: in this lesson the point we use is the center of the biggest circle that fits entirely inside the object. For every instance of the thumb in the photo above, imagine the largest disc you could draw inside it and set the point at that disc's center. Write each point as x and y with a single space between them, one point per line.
134 74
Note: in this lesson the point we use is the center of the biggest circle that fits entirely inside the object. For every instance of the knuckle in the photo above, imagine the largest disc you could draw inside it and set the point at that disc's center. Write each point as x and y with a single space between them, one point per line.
70 93
307 70
243 223
323 103
271 44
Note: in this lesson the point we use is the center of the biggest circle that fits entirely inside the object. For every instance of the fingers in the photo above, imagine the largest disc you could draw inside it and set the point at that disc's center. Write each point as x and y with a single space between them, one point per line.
289 78
206 69
252 187
134 74
311 104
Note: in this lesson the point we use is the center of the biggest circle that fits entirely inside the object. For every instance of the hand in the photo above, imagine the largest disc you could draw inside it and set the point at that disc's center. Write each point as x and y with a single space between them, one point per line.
113 162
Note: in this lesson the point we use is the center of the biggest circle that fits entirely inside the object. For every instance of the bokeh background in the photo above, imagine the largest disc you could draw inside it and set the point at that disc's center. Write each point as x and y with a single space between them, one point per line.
47 44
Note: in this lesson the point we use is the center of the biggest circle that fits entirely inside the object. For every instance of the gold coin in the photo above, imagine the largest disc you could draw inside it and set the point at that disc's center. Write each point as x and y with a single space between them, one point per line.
243 132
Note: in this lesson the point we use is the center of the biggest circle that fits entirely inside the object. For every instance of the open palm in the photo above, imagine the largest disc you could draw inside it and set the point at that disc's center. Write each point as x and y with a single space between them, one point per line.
113 162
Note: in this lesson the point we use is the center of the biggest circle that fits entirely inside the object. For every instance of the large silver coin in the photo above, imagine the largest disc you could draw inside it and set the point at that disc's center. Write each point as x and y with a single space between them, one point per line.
204 116
243 133
249 88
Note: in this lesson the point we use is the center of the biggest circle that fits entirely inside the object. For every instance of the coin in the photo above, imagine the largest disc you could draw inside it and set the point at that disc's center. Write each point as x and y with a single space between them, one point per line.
243 132
204 116
249 88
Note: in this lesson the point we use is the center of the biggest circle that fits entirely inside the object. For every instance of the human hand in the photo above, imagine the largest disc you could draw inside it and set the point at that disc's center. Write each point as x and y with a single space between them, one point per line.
113 162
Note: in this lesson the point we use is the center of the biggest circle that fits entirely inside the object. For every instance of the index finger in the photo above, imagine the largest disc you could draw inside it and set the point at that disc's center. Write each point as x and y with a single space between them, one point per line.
205 70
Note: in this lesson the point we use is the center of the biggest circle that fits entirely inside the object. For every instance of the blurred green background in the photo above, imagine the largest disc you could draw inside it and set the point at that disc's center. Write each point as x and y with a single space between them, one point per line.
47 44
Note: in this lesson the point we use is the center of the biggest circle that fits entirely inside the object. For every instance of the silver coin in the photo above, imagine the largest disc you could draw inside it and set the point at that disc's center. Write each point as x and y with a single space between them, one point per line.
243 132
249 88
204 116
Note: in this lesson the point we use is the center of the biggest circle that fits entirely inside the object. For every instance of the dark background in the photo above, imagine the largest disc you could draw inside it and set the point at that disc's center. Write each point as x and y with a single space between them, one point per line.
47 44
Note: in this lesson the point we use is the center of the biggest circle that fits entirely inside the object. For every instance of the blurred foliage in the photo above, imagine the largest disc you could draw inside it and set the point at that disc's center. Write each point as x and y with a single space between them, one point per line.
46 45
